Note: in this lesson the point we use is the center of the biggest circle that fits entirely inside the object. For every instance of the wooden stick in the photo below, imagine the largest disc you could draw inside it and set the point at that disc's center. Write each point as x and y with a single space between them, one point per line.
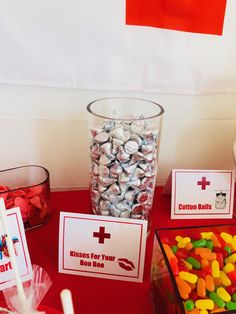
66 300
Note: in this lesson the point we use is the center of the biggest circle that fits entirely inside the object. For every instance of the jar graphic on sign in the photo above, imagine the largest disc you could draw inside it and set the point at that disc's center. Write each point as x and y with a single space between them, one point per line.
220 201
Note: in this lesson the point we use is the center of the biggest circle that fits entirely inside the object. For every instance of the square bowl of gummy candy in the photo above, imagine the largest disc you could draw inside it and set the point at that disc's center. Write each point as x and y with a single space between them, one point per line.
28 188
194 270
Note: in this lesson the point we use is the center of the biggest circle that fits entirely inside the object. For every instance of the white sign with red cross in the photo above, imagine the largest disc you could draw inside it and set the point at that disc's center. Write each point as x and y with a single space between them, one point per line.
98 246
22 258
202 194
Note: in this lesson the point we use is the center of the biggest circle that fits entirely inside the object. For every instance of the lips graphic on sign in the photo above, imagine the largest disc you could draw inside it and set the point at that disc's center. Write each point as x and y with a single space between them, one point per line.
126 264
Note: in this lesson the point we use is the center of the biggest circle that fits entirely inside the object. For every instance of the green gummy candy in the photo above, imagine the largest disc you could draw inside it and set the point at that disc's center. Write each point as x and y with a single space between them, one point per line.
217 300
228 249
209 245
174 249
189 305
199 243
195 263
234 297
231 305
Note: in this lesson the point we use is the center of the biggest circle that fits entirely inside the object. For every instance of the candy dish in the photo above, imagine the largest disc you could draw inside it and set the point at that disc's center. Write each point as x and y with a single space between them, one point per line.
28 188
200 259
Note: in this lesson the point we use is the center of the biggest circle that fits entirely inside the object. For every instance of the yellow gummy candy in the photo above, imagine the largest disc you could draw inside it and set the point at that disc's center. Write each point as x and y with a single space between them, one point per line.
182 243
223 294
228 268
215 269
231 258
187 264
204 304
192 278
225 279
226 237
233 244
178 238
206 235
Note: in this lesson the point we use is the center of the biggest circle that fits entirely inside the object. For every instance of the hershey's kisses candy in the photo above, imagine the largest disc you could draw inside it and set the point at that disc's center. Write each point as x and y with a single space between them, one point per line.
114 199
103 171
137 157
134 183
114 189
105 212
95 196
109 125
122 155
123 167
129 168
142 197
116 143
131 147
104 205
143 166
135 216
146 149
118 133
137 209
125 214
95 131
94 169
124 178
149 157
115 211
105 181
106 148
150 135
116 169
95 152
137 139
123 206
102 137
138 173
101 188
130 196
105 160
127 135
144 183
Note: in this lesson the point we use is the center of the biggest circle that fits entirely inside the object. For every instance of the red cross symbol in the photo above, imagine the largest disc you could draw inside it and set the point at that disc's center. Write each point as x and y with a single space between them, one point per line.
101 235
203 183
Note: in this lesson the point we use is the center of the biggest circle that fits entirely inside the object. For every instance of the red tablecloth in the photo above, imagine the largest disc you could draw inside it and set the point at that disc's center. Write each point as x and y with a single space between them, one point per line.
95 295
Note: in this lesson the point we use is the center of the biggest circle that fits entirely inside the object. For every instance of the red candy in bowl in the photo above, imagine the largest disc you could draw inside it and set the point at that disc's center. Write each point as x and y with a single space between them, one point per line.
28 188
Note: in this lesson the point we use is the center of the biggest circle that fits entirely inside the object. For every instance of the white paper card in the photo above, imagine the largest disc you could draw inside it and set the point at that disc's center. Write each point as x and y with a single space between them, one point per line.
99 246
16 229
202 194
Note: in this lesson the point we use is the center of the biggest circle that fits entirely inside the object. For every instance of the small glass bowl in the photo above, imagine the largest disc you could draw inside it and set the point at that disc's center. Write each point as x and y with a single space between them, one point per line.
165 295
28 188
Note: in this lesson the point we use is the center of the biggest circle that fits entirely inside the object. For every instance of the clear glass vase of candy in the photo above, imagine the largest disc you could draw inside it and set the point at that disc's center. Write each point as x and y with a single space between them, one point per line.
125 137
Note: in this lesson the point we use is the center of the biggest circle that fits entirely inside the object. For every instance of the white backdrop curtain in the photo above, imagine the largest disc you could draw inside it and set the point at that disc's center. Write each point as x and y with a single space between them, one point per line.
86 44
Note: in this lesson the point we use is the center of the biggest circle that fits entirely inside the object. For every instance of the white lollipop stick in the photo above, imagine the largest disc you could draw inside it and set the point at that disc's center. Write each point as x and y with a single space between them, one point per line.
66 300
12 255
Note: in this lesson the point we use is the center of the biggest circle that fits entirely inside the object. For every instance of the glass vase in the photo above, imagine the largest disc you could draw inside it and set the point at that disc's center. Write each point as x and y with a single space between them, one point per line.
124 149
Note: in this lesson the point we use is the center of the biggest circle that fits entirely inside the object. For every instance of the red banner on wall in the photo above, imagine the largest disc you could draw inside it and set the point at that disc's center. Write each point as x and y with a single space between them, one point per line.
197 16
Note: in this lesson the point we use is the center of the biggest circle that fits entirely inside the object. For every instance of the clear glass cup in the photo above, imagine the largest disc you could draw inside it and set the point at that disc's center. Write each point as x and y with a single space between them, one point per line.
28 188
125 137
